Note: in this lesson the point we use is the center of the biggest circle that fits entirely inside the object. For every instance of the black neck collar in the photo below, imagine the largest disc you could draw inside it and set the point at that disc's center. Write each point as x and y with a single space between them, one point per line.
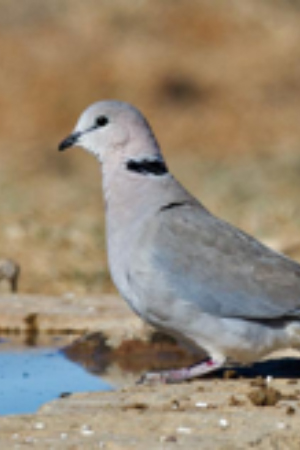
147 166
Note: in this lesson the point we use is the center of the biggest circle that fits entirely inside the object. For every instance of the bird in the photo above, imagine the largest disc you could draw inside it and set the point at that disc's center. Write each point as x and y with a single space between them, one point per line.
183 270
10 271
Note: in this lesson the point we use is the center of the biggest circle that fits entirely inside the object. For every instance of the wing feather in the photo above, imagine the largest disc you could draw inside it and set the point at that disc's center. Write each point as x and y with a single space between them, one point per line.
222 270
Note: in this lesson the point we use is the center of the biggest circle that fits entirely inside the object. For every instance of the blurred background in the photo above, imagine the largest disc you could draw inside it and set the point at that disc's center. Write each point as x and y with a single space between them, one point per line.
218 80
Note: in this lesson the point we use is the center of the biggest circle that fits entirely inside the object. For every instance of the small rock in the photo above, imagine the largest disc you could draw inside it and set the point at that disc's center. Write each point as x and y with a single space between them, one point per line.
136 405
201 405
170 438
223 423
39 425
184 430
86 430
290 410
175 404
233 401
265 396
65 394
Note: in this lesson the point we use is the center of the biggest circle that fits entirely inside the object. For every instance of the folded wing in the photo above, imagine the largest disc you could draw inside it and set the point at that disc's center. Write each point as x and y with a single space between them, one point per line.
225 272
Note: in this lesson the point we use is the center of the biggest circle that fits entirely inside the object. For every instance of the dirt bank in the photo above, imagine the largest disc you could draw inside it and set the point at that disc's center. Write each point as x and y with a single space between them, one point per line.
209 414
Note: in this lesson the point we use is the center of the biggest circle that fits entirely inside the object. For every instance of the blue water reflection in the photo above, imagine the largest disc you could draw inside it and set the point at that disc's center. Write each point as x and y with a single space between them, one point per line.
35 376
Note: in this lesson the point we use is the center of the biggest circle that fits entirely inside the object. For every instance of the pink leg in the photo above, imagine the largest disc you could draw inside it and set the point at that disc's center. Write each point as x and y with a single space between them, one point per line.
179 375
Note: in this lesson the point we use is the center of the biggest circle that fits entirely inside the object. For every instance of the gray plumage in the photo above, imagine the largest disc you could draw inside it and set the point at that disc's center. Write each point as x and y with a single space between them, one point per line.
222 270
180 268
10 271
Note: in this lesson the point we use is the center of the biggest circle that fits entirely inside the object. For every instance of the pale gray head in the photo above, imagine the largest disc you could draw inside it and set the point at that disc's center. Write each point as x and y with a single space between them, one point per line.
112 128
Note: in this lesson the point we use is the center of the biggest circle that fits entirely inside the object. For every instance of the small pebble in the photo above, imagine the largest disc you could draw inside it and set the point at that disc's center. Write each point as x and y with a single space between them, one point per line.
233 401
265 396
63 435
184 430
170 438
175 404
65 394
290 410
281 425
86 430
201 405
223 423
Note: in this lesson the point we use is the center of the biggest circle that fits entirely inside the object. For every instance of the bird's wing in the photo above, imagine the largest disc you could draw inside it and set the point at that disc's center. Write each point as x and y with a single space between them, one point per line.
220 269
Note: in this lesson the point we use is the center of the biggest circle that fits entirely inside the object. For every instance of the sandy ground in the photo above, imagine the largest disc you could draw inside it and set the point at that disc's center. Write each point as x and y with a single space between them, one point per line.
255 408
204 414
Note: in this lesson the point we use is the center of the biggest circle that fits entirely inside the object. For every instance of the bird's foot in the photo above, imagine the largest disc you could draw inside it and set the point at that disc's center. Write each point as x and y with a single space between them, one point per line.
180 375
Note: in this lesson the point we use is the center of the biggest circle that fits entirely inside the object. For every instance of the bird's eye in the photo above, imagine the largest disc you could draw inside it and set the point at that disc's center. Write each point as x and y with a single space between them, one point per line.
101 121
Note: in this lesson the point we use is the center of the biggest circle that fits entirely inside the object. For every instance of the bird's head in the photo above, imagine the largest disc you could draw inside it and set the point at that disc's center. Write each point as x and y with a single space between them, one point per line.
109 127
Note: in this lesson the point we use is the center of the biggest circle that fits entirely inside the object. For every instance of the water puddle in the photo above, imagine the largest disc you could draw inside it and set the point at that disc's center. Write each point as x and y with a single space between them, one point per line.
40 368
33 376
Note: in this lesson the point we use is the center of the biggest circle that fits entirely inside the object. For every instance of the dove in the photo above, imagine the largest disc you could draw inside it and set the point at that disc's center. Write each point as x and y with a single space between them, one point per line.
10 271
184 271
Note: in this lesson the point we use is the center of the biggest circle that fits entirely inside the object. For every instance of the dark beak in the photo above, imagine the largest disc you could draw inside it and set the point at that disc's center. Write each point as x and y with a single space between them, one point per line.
69 141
